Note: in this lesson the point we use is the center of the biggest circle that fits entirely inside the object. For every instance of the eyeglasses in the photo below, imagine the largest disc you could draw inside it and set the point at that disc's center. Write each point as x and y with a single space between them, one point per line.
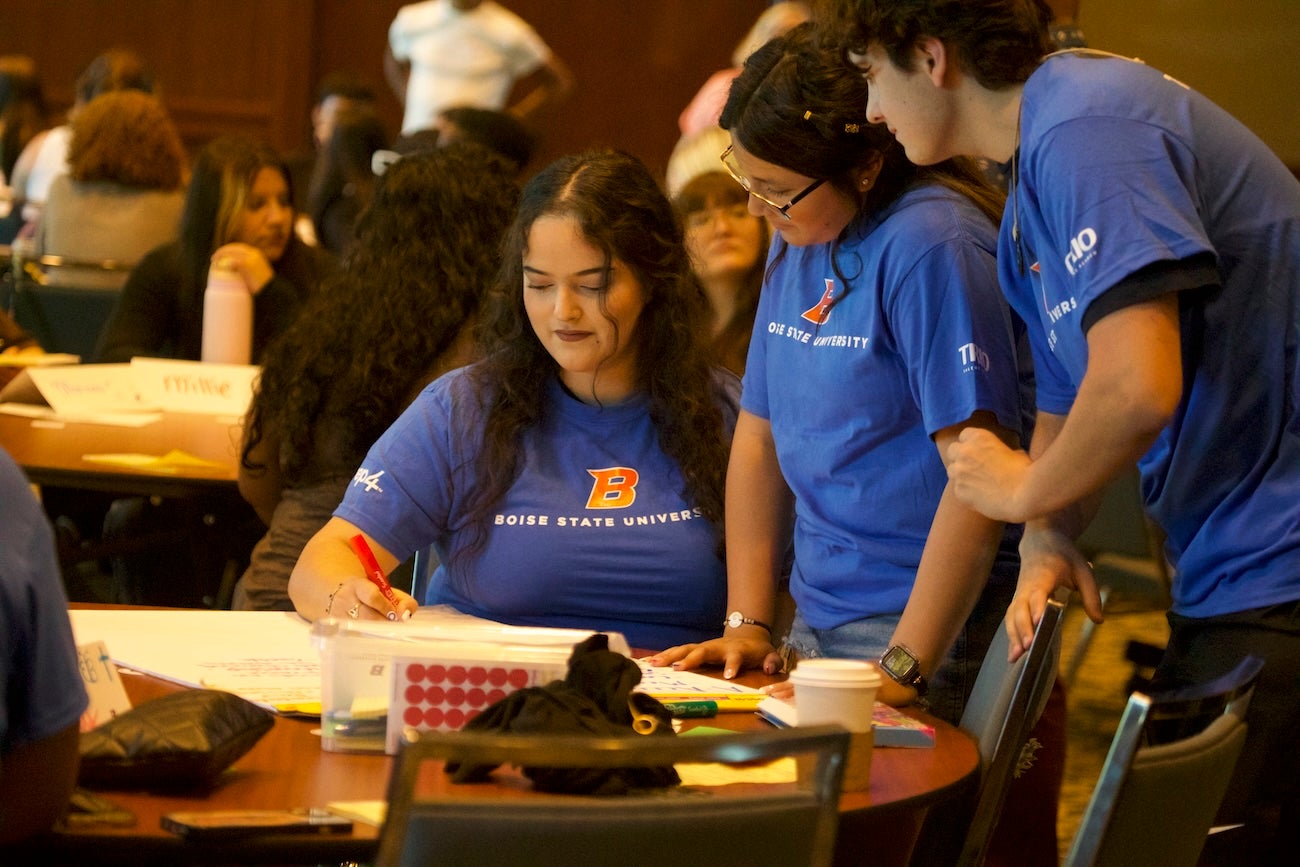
729 163
706 217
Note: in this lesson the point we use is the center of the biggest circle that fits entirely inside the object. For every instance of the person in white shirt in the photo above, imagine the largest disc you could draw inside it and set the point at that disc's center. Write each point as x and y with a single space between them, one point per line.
446 53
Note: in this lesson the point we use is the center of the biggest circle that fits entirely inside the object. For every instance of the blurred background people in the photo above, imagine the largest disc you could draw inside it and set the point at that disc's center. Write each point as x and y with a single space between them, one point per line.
338 91
46 155
238 208
425 250
499 131
728 247
123 192
445 53
343 180
705 107
22 118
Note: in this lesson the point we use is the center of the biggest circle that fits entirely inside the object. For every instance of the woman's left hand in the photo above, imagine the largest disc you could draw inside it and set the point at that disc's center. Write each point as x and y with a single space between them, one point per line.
248 262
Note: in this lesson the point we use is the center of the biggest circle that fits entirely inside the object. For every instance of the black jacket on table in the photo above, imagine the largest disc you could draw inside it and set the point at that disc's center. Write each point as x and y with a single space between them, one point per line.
157 317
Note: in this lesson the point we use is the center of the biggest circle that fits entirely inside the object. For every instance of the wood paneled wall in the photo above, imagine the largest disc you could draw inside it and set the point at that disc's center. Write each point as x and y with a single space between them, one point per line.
251 66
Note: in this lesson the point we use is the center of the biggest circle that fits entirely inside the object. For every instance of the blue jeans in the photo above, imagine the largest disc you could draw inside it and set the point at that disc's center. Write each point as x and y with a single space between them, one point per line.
870 637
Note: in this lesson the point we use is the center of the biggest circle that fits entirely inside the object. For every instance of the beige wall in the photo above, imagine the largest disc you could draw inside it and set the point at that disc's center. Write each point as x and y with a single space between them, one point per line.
1243 54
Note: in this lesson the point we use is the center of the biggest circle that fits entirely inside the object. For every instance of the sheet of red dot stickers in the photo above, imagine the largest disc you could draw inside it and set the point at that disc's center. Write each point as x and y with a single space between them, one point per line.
444 695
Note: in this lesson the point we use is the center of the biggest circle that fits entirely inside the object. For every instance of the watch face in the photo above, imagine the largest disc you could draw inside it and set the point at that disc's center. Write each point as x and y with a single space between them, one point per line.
899 663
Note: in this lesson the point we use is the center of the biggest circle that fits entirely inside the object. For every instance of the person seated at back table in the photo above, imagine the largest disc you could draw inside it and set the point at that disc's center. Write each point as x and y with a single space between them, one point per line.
46 155
425 248
123 193
574 476
343 179
499 131
42 695
728 247
238 208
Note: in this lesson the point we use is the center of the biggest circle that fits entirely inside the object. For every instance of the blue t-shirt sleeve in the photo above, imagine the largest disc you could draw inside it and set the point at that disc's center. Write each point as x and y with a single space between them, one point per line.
402 494
41 690
1117 195
953 328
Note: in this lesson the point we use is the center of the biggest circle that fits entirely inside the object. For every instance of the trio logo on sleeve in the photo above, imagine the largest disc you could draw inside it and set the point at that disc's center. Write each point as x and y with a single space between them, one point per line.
614 488
369 479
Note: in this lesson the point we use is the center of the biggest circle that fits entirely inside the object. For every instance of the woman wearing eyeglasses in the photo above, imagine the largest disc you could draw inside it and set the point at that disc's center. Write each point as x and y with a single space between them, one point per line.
880 334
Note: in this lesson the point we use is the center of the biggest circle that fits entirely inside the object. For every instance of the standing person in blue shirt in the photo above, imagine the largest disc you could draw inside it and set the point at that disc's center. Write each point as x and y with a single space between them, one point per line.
42 695
574 476
880 334
1153 244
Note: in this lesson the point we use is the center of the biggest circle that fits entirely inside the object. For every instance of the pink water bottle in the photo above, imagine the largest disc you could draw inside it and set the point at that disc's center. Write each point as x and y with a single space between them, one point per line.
227 317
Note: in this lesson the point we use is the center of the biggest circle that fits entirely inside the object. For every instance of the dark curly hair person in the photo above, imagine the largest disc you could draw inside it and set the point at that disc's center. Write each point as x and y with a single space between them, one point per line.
574 476
395 318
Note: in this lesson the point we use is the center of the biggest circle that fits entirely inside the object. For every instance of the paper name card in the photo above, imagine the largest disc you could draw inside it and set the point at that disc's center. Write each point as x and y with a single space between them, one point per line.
103 685
194 386
88 389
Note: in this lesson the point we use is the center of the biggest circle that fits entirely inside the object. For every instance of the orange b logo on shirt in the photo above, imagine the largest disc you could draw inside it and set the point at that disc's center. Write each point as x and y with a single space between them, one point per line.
615 488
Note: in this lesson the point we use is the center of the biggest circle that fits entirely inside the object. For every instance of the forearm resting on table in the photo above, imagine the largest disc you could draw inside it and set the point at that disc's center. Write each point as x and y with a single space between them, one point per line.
328 578
36 780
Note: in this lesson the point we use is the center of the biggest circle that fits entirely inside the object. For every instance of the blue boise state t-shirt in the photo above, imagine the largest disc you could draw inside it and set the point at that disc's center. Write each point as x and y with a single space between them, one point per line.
594 534
918 341
41 690
1120 167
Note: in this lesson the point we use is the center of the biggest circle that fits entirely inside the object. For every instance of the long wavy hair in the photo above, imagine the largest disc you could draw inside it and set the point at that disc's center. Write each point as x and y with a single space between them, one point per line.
425 251
799 104
621 211
223 175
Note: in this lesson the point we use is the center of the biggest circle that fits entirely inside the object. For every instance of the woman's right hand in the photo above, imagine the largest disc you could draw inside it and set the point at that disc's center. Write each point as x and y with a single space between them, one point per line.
733 652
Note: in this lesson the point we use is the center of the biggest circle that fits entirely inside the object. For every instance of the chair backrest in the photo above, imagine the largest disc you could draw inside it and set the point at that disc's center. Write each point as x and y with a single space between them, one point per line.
778 824
1006 701
1166 774
66 304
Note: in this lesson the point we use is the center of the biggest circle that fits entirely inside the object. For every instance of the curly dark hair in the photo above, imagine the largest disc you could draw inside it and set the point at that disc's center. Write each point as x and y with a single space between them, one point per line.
999 42
426 249
126 136
620 210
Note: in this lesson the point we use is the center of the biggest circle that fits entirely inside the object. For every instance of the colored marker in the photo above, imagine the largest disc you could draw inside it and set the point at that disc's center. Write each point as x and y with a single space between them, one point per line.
724 701
692 709
375 574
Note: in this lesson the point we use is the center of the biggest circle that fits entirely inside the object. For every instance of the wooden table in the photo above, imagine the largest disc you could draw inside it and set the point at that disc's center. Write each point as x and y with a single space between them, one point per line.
51 453
287 768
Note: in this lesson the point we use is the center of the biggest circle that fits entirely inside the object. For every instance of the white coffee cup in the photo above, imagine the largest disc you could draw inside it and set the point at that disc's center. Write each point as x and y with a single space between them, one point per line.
843 692
835 691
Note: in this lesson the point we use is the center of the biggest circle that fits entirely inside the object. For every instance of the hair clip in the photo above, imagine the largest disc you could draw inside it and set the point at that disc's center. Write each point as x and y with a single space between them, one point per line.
851 127
807 115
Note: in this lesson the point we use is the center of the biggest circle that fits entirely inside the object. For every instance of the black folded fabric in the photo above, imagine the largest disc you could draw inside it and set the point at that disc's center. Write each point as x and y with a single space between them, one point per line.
591 700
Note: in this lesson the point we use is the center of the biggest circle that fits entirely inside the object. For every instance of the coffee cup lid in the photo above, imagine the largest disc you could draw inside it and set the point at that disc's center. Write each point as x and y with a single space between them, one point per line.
836 672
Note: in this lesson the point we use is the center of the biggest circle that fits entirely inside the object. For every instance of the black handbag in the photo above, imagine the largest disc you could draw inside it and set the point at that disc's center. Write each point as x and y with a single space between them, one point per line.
184 739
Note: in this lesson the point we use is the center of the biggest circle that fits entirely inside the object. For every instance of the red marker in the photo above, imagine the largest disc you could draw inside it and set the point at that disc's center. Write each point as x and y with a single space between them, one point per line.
375 574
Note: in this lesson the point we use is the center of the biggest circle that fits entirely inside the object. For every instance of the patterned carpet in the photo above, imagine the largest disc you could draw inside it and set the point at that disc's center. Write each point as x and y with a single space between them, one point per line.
1095 701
